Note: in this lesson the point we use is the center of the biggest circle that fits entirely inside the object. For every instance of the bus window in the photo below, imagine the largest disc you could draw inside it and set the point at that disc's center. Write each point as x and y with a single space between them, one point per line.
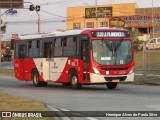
71 48
48 50
21 53
38 43
58 47
33 48
58 42
74 43
30 44
64 42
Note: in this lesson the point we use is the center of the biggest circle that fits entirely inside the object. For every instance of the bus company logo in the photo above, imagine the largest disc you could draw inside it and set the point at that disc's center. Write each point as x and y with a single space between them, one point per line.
116 22
54 65
6 114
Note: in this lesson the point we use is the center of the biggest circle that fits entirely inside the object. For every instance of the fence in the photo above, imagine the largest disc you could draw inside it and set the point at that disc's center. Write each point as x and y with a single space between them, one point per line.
147 65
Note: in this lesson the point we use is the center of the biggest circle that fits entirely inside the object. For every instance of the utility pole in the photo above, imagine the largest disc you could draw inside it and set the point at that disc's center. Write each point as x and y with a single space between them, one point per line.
152 19
96 14
39 26
0 37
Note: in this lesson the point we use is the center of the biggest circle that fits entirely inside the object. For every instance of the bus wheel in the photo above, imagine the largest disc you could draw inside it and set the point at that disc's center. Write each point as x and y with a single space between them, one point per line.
111 85
35 78
74 81
2 59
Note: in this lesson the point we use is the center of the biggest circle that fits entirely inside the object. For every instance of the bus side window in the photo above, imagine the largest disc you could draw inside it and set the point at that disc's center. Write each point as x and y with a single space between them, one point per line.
30 44
21 52
58 47
74 43
64 42
48 49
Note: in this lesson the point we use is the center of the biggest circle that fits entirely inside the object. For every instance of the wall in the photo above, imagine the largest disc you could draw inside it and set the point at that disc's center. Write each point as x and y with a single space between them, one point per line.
76 14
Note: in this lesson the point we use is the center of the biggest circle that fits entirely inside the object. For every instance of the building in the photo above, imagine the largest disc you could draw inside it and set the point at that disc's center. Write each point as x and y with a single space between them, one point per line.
85 16
127 15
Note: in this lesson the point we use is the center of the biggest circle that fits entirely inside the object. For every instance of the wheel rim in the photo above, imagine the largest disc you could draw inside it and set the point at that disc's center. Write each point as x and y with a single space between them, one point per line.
35 79
74 80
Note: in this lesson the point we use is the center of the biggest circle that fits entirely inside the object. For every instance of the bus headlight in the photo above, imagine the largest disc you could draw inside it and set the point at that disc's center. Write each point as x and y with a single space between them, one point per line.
96 71
131 71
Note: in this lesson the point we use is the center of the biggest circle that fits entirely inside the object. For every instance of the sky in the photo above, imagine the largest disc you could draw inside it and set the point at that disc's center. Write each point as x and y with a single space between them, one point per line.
53 14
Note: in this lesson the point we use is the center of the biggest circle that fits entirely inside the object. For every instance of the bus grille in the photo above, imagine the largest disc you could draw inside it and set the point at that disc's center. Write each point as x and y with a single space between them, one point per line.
109 79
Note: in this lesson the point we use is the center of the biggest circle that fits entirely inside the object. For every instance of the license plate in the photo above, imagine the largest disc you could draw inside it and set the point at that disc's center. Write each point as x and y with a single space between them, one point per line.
115 80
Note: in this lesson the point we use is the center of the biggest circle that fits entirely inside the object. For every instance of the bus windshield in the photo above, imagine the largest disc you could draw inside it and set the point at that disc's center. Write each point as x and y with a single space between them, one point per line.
112 52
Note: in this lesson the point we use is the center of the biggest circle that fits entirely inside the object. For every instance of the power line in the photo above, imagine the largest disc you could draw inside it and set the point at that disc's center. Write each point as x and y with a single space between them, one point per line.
60 2
53 14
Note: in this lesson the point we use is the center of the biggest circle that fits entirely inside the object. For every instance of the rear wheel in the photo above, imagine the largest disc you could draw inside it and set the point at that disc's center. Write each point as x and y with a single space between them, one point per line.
36 82
111 85
74 81
2 59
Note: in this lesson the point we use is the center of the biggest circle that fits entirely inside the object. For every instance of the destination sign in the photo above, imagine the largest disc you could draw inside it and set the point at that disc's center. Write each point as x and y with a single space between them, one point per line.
110 34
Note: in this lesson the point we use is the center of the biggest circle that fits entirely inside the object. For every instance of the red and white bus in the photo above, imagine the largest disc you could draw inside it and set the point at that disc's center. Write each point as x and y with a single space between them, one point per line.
75 57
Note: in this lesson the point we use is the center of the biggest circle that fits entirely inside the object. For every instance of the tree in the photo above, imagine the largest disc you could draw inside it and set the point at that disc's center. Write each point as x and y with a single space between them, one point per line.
134 34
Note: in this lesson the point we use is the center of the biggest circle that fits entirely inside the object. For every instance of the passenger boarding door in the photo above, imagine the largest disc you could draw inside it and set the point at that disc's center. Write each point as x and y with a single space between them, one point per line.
86 58
21 54
47 60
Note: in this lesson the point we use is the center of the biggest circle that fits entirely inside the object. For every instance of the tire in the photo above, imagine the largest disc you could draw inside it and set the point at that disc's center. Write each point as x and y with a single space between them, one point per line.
111 85
74 81
36 82
2 59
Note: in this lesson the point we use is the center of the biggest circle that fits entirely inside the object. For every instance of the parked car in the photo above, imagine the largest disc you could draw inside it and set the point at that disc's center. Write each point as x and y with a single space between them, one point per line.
151 44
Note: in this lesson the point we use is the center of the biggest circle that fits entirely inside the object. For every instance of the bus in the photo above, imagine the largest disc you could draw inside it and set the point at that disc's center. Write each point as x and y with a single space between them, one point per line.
75 57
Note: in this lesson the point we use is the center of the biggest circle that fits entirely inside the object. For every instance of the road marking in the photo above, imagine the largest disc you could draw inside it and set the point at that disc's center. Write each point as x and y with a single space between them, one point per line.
52 108
90 118
67 118
63 109
55 109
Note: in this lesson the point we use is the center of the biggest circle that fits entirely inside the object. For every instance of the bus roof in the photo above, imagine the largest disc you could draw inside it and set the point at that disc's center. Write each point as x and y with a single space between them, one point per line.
65 33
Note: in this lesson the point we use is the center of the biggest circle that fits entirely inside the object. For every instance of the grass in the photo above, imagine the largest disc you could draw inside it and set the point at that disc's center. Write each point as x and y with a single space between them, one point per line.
6 72
152 66
13 103
152 60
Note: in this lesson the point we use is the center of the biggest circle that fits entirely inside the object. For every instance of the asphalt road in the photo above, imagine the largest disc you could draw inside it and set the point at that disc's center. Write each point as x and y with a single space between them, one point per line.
126 97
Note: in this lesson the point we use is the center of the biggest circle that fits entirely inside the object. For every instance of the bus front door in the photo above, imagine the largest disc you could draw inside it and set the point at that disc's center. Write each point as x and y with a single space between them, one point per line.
86 58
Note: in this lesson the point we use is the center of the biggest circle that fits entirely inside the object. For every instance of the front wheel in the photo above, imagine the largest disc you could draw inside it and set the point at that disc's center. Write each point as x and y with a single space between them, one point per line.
111 85
74 81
